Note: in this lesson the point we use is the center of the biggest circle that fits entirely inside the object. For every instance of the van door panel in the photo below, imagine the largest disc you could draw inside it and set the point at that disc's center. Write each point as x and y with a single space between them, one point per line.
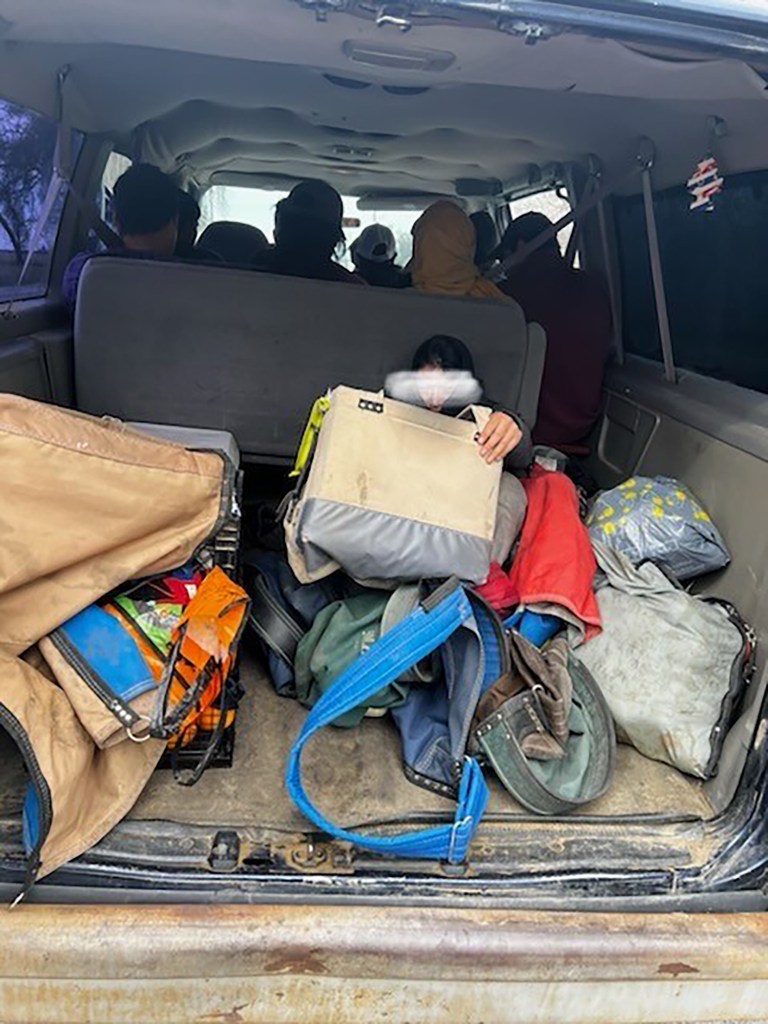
714 437
23 369
624 433
58 350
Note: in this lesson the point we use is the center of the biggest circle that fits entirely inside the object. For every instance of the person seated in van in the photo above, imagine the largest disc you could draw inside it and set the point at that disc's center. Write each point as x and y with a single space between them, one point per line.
574 310
186 242
442 378
444 246
235 243
308 231
373 253
487 239
146 204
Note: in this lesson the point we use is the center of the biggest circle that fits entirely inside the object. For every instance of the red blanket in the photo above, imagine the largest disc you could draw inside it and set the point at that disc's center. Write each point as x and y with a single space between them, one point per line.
554 563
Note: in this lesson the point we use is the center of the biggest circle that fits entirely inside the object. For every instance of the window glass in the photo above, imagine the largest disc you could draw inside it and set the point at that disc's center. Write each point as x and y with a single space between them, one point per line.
551 205
27 144
257 207
714 264
116 165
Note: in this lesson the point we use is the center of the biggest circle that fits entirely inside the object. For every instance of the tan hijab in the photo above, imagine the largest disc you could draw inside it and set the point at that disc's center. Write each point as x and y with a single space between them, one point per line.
444 255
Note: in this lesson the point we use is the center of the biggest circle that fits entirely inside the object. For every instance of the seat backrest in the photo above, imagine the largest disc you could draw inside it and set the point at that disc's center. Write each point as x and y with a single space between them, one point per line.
237 350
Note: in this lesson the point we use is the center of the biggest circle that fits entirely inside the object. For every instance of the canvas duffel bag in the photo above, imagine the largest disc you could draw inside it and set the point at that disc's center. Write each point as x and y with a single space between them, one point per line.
87 504
393 492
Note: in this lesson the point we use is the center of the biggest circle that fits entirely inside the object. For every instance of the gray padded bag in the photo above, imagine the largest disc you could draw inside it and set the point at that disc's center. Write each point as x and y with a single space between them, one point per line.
671 666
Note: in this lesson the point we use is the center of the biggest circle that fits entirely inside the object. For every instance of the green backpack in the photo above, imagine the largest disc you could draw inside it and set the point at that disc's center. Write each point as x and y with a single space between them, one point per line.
342 632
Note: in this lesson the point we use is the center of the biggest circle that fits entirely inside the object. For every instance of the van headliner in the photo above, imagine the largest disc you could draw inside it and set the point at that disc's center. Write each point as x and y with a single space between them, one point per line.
221 97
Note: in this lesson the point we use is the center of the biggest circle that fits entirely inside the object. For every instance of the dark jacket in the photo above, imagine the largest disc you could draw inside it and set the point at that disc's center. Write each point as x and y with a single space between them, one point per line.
294 263
575 313
383 275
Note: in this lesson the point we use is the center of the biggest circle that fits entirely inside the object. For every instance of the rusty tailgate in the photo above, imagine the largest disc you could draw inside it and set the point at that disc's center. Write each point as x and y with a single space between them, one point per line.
241 964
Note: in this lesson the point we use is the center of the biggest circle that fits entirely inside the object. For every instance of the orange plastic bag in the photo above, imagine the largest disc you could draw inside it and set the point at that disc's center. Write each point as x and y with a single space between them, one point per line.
192 687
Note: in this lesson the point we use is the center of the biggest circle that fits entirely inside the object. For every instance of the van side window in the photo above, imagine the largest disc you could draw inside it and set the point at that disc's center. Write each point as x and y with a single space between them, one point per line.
27 144
715 267
551 205
116 165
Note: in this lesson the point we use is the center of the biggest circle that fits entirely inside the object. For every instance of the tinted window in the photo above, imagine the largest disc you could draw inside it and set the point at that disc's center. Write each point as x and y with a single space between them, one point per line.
27 144
715 268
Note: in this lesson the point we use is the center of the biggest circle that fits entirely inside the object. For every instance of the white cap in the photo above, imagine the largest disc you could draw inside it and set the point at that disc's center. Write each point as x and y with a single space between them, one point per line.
376 243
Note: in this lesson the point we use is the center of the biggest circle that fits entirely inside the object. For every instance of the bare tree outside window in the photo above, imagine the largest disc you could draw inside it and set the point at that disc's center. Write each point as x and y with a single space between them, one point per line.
27 144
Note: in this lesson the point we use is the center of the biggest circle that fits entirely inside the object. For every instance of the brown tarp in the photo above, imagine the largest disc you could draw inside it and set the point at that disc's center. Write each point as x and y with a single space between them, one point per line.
86 504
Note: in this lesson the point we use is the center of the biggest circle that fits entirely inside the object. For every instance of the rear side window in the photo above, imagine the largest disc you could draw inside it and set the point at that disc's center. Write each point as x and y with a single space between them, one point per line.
116 165
715 267
552 205
27 144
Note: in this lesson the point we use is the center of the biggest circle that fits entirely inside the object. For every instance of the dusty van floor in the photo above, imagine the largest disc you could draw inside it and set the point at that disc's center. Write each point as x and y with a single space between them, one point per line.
355 776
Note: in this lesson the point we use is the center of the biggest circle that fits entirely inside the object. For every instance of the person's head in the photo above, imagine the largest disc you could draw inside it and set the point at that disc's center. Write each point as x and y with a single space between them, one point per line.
309 220
523 230
189 218
233 241
443 352
444 249
487 237
442 375
147 209
375 244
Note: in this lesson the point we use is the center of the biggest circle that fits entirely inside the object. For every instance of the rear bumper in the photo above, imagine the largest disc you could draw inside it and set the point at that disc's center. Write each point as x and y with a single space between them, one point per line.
356 963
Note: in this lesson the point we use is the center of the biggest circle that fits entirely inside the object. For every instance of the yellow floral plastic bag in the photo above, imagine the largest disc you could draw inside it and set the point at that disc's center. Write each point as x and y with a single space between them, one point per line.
658 519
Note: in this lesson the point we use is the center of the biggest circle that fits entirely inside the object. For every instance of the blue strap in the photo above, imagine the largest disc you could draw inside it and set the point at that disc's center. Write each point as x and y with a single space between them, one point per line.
397 650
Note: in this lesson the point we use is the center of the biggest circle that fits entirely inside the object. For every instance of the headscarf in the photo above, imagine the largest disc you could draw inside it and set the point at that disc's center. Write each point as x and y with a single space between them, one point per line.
444 254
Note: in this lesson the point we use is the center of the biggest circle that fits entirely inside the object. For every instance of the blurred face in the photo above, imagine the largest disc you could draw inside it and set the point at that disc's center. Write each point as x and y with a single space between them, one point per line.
433 387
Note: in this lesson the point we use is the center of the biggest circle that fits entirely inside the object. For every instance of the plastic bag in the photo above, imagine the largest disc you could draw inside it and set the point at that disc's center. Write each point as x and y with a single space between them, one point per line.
658 519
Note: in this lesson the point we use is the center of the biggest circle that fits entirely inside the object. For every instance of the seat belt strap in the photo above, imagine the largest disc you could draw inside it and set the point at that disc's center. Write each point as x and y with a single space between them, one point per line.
412 639
51 198
108 238
61 179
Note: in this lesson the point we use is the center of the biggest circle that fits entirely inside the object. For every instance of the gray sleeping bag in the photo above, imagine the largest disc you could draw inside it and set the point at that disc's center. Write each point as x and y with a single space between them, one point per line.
671 666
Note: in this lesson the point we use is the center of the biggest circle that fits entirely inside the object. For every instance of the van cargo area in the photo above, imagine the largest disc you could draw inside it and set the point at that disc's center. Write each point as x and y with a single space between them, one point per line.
474 103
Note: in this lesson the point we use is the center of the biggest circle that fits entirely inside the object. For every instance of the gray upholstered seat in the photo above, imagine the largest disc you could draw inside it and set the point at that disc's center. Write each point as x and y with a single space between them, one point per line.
247 352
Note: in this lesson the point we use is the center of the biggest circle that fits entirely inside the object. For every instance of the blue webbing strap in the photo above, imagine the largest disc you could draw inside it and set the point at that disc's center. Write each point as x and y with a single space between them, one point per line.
399 649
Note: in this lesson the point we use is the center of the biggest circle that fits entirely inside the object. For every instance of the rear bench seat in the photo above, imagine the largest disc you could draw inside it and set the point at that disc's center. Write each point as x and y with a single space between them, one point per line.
247 352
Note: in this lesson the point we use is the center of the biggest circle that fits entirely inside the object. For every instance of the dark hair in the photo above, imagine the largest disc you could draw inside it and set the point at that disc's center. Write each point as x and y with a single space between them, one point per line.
525 229
309 219
145 199
295 231
444 351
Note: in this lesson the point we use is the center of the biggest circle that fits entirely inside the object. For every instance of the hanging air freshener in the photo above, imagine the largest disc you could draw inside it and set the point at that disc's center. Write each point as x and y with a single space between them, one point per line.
704 184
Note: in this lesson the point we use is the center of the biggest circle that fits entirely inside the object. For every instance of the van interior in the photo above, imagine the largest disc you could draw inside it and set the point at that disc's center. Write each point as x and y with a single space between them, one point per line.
394 110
